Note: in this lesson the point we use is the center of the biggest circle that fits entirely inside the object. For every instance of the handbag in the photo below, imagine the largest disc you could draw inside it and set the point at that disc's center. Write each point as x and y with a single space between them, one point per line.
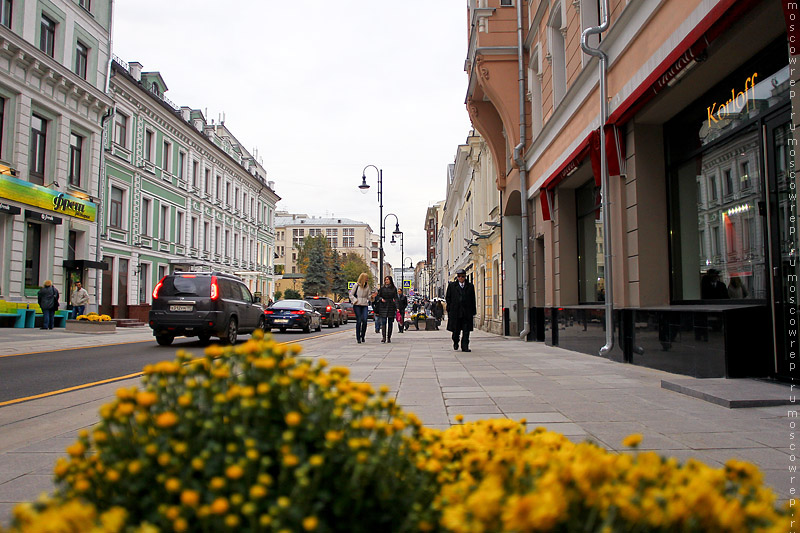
399 317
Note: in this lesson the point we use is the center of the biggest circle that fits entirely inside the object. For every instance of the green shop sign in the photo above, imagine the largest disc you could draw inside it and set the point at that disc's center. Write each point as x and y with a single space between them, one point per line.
38 196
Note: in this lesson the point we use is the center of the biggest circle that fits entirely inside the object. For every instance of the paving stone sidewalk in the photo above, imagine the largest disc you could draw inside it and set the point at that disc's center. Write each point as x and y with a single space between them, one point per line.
581 396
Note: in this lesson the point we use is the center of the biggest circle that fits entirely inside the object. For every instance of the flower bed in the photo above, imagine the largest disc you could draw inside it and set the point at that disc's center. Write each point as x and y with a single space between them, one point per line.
252 438
91 326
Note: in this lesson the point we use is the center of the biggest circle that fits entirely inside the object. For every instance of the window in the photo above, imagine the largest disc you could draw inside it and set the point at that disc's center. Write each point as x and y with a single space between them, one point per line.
216 239
348 232
712 188
33 252
331 232
163 223
148 145
146 213
208 182
228 193
179 228
195 172
728 182
206 236
227 243
506 3
219 188
47 36
165 159
181 164
194 236
75 158
349 242
85 4
115 208
5 13
37 149
591 272
144 275
333 241
2 120
557 49
744 175
121 129
81 59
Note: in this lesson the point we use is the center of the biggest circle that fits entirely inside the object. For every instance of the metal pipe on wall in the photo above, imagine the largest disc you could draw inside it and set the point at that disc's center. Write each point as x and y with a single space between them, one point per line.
608 278
519 159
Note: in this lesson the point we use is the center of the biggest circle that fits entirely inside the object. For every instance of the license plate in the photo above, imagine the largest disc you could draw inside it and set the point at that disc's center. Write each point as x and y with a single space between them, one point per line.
180 307
281 321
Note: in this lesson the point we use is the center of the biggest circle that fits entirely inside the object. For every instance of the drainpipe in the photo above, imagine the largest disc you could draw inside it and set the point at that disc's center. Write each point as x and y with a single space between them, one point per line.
519 159
596 52
103 120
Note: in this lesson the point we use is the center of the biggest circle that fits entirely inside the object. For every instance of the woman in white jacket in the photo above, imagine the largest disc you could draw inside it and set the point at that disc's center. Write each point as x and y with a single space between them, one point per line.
360 297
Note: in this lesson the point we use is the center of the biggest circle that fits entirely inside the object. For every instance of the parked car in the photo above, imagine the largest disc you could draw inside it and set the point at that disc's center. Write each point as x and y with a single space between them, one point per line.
204 305
326 308
287 314
349 311
342 314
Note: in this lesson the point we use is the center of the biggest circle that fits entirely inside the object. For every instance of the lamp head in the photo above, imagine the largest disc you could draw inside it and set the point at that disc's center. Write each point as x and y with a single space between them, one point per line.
392 241
364 187
397 229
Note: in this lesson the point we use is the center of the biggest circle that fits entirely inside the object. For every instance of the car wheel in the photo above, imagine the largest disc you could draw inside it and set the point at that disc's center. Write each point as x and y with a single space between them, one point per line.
307 328
262 324
204 337
319 326
283 330
330 322
232 331
164 340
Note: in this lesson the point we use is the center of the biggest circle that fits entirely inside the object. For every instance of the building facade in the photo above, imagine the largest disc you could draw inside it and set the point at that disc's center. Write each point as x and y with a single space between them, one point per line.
471 228
180 193
345 235
54 64
698 147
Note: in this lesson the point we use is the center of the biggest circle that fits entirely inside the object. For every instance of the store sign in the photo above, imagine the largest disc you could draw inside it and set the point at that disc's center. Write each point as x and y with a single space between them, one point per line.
737 102
44 198
9 209
42 217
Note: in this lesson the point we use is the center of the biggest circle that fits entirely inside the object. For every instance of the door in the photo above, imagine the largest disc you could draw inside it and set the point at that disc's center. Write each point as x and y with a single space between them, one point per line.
782 241
107 287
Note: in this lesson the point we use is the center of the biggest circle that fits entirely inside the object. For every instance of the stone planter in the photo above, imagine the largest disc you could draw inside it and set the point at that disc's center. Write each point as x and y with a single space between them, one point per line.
86 326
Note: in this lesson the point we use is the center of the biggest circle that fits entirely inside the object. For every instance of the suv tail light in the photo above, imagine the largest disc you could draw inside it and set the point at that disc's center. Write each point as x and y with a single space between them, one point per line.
328 309
214 288
158 288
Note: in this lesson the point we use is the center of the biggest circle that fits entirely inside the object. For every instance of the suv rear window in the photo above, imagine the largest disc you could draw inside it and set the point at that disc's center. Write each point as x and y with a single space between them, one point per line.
186 286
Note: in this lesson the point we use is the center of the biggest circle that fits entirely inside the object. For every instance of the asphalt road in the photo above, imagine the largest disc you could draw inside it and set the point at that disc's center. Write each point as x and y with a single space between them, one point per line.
33 374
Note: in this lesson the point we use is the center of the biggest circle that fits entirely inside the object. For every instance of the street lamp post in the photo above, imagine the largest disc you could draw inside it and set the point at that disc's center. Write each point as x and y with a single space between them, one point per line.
395 232
402 262
411 267
364 187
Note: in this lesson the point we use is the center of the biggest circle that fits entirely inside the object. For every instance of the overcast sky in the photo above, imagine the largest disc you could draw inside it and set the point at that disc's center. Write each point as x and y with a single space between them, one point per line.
321 89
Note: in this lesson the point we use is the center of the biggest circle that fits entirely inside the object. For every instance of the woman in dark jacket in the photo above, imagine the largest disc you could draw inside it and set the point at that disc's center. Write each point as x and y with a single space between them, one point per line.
387 307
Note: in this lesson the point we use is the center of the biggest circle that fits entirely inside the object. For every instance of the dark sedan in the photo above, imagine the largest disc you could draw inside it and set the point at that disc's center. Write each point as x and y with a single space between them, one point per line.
287 314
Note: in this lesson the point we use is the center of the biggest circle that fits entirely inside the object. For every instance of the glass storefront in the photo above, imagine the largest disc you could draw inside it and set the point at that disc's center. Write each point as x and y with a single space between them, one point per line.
718 211
591 255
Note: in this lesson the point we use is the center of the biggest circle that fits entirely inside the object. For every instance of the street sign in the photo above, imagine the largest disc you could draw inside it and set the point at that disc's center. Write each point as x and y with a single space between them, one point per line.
411 292
350 285
406 283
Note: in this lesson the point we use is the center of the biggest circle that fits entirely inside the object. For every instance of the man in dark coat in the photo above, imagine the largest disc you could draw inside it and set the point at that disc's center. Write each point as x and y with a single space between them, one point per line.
402 303
461 309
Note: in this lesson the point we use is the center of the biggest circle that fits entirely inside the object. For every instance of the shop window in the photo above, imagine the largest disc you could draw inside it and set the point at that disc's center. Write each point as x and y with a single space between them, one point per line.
33 253
75 159
591 260
144 288
38 149
72 243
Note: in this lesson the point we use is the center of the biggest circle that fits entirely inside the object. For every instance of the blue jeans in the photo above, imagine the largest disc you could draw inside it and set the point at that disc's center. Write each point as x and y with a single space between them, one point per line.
386 323
361 320
78 310
49 318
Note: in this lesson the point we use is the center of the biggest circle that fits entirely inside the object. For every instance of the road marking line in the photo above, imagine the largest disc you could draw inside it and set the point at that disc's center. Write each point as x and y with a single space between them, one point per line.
109 380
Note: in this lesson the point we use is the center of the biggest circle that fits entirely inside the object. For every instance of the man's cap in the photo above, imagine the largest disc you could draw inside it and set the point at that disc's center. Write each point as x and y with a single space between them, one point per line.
461 271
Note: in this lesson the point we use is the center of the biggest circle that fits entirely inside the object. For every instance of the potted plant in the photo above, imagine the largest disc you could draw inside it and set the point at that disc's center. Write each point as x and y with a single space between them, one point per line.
92 323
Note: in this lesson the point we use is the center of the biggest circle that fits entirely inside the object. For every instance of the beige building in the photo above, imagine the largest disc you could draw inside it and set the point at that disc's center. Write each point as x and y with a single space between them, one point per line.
344 235
694 121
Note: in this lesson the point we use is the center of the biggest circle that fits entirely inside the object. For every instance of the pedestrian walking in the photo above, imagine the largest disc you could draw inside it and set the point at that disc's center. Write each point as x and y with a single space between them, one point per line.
438 312
461 309
375 308
402 303
387 303
48 301
360 298
79 300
